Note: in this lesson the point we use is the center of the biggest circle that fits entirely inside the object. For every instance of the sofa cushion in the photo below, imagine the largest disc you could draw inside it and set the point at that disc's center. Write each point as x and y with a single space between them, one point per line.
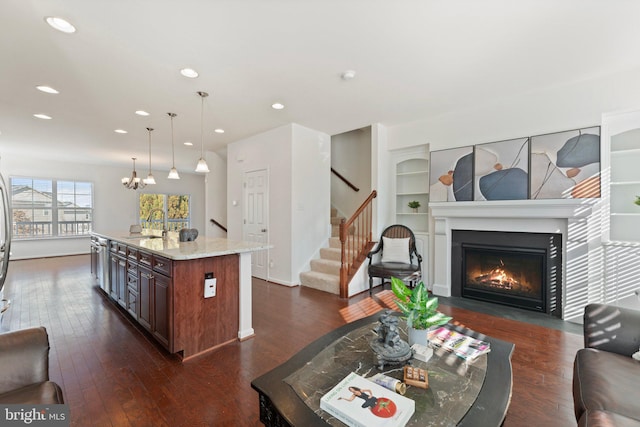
44 393
605 381
606 419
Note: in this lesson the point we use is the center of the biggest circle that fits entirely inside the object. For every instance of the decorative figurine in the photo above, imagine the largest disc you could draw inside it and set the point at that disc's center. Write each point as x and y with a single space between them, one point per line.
388 347
188 234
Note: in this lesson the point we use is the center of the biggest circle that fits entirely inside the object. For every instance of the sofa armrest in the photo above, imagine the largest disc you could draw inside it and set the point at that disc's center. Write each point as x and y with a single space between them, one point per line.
24 358
611 328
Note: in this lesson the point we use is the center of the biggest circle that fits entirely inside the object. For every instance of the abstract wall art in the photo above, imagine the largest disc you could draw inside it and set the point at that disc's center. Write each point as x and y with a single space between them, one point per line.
566 164
502 170
451 175
559 165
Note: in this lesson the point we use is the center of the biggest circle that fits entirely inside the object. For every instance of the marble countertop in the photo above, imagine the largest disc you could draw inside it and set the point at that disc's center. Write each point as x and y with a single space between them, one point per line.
170 246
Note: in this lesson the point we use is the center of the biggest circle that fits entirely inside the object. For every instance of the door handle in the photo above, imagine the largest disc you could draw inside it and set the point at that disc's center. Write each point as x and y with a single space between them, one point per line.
264 230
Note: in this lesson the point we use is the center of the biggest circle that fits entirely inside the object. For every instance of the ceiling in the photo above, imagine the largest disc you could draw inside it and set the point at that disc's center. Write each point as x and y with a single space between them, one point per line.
413 60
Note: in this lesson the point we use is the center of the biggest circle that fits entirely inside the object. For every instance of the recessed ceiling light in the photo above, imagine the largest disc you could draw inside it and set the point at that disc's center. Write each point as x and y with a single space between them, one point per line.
60 24
47 89
219 131
188 143
42 116
348 75
142 113
277 106
120 131
189 72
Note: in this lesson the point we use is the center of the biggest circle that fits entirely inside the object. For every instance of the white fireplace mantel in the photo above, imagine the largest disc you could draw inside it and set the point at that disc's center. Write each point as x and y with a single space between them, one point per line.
561 208
575 219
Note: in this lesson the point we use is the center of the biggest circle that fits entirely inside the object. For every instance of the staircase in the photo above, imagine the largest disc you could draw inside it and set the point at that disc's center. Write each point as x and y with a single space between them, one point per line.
325 271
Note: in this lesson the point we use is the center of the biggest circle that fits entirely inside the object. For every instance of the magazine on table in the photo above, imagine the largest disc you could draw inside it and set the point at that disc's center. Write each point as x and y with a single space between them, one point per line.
359 402
462 345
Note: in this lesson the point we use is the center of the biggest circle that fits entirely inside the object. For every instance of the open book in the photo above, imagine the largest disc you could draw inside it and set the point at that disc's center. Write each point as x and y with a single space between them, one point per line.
462 345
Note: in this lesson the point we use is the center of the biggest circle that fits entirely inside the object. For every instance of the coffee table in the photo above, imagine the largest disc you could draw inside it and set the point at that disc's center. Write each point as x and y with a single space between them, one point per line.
464 394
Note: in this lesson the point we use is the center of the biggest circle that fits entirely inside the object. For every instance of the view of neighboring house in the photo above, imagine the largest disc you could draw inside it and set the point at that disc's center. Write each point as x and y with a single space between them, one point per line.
37 208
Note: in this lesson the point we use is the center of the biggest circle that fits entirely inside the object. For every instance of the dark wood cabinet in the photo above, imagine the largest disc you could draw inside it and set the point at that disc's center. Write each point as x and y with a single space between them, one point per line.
118 270
155 296
141 283
166 297
132 299
121 279
113 275
161 315
146 294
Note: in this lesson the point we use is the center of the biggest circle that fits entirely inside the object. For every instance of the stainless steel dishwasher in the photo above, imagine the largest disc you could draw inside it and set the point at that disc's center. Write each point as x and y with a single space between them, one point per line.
102 269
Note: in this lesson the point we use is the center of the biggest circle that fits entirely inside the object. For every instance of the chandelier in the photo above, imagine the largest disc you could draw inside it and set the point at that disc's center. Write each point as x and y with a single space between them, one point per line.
134 182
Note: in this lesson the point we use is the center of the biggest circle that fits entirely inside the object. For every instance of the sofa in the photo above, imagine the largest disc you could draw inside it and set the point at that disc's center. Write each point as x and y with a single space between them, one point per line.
606 379
24 368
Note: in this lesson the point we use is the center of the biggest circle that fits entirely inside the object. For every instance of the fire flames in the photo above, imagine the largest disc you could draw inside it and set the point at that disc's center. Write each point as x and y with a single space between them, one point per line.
497 278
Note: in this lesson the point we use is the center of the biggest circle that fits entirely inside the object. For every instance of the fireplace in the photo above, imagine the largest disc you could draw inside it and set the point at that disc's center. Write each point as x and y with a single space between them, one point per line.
518 269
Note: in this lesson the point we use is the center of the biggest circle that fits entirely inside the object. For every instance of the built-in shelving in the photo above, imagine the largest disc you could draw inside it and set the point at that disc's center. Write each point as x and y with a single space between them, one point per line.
412 183
624 186
410 174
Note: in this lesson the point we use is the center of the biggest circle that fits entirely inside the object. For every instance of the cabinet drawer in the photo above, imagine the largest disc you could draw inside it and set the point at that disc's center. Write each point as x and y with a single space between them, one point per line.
119 248
132 281
162 265
132 302
132 267
132 254
144 258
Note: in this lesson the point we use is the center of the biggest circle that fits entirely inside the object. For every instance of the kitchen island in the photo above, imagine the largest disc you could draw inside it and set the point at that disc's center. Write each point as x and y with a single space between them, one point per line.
160 282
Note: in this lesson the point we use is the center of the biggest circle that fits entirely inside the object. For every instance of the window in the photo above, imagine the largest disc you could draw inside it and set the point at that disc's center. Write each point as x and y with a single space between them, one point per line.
154 208
35 215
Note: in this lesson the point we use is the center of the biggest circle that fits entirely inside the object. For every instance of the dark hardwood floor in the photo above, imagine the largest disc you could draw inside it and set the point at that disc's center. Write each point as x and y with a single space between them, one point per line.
113 374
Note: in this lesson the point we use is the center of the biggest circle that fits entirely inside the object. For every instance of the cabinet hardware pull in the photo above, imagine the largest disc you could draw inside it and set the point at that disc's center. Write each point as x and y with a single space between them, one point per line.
159 264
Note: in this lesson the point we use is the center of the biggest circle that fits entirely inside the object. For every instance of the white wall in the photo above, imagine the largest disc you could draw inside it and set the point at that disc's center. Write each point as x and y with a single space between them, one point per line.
351 158
557 108
215 195
381 171
270 150
311 197
297 159
115 207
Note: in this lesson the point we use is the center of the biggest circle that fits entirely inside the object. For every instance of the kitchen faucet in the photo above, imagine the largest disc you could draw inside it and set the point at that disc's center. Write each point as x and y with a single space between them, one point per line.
164 227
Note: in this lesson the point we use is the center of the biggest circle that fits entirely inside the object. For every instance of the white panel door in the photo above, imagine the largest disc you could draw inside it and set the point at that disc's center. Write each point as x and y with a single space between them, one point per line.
256 218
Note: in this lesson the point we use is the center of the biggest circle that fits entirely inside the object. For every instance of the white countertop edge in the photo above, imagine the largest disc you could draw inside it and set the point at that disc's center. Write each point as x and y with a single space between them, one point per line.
175 251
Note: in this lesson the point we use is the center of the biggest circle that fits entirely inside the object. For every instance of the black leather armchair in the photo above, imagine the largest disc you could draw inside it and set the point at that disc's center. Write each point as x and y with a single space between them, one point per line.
605 378
401 264
24 368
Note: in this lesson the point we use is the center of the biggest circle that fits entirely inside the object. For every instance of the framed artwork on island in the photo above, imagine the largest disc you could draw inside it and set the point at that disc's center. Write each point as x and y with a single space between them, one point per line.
501 170
566 164
451 175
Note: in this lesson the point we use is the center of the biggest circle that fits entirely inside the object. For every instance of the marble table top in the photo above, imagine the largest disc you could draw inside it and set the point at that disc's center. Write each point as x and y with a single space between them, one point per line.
453 384
460 394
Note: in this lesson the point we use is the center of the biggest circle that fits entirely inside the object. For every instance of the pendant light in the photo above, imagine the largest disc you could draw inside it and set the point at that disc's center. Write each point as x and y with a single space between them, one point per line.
202 164
173 173
149 179
133 183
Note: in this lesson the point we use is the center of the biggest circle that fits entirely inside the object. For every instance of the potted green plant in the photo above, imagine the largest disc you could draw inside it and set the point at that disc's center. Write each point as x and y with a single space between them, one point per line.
418 309
637 202
414 204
